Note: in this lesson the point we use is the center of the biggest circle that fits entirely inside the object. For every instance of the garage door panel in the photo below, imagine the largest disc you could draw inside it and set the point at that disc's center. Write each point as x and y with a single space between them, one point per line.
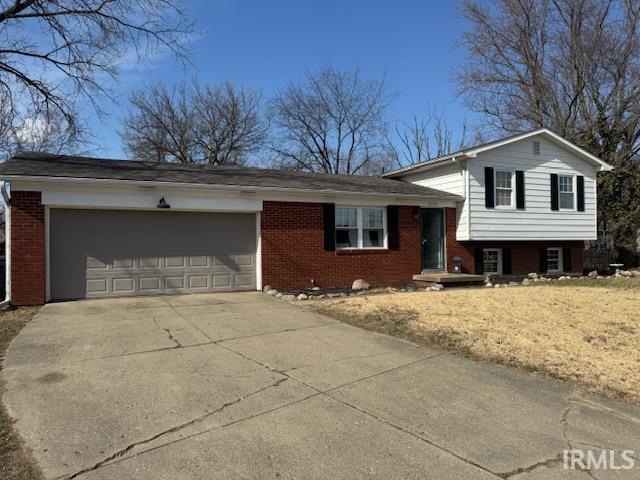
112 253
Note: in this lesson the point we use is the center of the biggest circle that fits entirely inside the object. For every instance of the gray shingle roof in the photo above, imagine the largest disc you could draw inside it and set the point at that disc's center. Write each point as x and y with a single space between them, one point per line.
66 166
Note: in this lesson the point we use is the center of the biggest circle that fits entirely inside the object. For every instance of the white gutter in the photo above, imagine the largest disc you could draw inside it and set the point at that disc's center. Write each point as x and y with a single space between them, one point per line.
240 188
7 245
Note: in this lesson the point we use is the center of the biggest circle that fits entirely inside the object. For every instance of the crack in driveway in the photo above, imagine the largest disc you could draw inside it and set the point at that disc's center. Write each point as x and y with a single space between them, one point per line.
174 429
550 462
169 334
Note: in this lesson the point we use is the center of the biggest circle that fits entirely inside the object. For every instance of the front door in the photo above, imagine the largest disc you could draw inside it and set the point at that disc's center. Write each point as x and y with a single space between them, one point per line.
432 239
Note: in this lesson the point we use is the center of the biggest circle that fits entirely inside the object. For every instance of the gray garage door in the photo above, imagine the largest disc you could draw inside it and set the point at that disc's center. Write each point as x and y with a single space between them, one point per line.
103 253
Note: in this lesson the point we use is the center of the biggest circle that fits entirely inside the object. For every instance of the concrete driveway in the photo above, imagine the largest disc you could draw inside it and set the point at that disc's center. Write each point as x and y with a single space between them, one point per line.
241 385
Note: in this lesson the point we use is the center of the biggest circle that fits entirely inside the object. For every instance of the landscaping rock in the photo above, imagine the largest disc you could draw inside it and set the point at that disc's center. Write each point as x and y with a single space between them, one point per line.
333 295
266 288
360 284
272 292
497 285
303 296
532 275
288 297
279 295
526 282
514 284
488 284
593 274
315 289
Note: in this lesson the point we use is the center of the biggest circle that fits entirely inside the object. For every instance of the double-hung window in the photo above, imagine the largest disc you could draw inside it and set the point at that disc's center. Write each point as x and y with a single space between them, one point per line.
565 183
360 227
504 189
554 260
492 261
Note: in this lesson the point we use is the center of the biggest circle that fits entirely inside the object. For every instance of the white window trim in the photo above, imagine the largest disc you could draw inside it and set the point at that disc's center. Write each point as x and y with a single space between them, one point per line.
499 250
573 191
495 189
560 261
359 223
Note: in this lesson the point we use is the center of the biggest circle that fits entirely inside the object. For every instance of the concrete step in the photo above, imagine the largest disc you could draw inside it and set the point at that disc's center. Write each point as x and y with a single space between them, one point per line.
447 279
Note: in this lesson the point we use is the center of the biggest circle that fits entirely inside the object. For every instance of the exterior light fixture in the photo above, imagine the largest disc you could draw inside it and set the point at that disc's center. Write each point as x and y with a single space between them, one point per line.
457 264
163 203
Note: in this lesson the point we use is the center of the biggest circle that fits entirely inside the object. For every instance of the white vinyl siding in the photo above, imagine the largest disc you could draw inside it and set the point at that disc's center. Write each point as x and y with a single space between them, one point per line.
451 178
538 221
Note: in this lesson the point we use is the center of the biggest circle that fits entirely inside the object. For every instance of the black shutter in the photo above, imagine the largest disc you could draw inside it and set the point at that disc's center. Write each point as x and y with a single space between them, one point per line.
566 259
506 261
329 226
543 260
580 193
393 230
489 188
555 187
519 189
479 256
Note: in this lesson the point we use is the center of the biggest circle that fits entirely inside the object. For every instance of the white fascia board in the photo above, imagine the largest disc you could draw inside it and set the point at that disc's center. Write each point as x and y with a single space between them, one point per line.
431 164
146 201
229 188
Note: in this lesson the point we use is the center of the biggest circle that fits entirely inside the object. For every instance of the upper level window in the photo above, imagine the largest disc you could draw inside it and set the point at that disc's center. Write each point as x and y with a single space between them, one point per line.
566 191
504 189
360 227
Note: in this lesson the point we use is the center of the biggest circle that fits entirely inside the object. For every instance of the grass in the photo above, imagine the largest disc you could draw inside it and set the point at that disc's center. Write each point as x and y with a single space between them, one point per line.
583 331
624 283
15 462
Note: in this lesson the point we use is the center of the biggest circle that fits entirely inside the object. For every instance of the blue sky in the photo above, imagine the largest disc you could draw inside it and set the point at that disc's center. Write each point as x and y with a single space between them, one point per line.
265 43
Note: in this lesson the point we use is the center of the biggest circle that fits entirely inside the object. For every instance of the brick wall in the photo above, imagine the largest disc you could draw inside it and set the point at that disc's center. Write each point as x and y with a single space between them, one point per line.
27 249
293 250
524 254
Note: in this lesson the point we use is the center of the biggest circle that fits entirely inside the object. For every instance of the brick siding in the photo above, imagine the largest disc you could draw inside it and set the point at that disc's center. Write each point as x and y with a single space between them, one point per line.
293 250
27 249
525 255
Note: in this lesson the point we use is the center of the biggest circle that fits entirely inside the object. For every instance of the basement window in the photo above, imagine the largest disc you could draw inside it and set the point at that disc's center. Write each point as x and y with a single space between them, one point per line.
554 260
360 227
492 261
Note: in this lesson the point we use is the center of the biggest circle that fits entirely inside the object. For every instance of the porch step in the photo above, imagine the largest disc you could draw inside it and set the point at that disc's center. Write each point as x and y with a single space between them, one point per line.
450 279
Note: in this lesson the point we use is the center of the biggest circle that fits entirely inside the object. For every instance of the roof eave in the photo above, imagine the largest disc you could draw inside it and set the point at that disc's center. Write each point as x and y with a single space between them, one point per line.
428 165
242 188
473 152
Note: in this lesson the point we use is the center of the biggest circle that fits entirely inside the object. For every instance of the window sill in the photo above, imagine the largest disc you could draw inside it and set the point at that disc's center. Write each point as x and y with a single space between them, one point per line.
360 251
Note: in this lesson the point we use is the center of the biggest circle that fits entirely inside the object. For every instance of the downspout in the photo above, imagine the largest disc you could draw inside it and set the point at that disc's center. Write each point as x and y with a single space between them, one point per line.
7 244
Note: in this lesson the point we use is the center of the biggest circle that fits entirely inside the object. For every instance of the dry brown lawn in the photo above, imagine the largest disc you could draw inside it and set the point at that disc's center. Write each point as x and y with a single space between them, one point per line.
587 335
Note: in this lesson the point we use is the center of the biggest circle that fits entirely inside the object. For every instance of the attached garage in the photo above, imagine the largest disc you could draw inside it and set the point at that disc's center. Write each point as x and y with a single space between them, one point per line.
104 253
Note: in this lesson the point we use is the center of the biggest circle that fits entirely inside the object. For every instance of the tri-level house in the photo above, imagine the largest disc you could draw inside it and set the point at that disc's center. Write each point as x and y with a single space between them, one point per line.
80 227
529 203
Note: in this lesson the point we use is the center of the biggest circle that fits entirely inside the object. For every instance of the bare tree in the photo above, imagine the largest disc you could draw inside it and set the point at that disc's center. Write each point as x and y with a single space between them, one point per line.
229 125
33 131
56 52
569 65
424 139
218 125
332 122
